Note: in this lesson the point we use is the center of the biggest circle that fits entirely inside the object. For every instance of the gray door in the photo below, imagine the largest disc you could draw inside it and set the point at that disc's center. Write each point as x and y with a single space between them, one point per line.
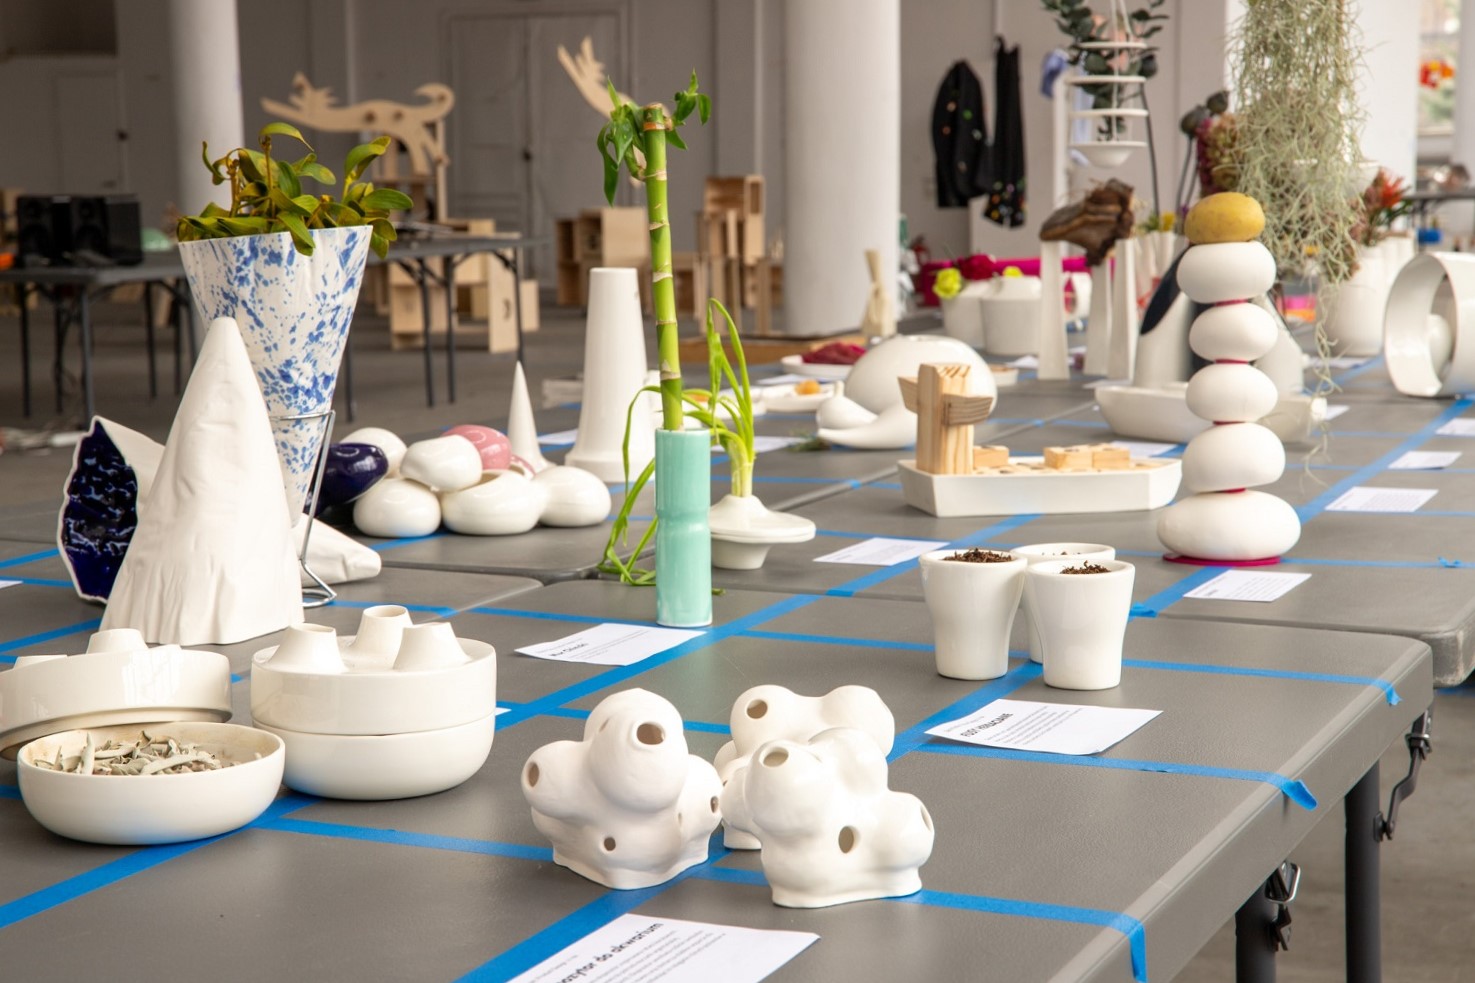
521 139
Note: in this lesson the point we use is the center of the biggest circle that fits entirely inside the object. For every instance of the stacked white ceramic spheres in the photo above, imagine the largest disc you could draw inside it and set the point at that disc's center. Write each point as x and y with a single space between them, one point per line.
1226 519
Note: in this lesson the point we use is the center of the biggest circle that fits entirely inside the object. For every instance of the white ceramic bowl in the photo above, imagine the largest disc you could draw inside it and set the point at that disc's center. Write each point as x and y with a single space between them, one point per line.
784 399
815 370
394 766
367 700
48 696
142 810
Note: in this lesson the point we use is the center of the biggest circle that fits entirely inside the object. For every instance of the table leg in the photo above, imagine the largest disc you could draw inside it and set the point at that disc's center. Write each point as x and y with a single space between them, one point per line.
148 331
423 279
1254 945
1363 891
450 285
59 323
514 262
25 350
84 320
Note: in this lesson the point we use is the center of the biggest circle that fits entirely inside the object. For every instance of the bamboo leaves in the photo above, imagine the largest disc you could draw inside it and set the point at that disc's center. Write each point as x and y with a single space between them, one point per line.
267 195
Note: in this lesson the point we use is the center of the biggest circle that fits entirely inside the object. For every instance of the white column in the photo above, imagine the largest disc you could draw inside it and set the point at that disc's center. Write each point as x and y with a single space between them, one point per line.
1388 85
205 57
1463 150
842 157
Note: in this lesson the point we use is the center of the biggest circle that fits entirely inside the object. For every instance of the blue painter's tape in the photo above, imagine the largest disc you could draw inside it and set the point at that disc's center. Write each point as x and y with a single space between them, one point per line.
1292 788
1353 373
1445 562
9 792
872 643
587 619
46 636
41 582
444 612
774 479
1317 677
1154 605
1089 424
885 484
16 561
142 859
848 534
397 837
730 875
915 737
1127 925
865 581
395 544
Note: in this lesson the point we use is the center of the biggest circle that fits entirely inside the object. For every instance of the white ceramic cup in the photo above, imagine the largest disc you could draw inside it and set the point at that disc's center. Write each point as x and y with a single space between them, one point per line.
972 607
1044 553
1081 620
380 628
309 648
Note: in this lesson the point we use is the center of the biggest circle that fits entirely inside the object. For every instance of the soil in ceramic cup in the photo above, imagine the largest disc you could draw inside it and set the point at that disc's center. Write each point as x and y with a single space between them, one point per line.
1083 568
976 555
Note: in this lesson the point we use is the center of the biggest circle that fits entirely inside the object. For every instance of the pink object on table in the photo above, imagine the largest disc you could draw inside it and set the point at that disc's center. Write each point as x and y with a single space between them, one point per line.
1030 266
493 446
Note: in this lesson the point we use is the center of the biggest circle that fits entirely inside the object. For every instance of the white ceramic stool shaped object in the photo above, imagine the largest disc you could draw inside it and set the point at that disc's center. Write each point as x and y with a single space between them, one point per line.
1224 521
832 831
626 807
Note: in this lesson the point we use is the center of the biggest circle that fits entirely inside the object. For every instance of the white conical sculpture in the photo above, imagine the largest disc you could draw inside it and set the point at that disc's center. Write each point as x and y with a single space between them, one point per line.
614 371
627 806
212 561
772 713
522 431
832 832
1226 521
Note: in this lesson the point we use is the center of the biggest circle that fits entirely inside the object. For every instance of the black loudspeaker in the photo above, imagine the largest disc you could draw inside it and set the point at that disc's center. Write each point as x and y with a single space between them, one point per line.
41 229
106 226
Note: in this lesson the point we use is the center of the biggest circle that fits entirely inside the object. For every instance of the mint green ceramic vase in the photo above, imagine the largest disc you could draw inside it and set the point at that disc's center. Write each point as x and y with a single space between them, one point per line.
683 540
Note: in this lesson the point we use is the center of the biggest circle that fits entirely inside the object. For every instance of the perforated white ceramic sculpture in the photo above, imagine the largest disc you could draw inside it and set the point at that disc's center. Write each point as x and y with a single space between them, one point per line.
772 713
1226 520
627 806
832 832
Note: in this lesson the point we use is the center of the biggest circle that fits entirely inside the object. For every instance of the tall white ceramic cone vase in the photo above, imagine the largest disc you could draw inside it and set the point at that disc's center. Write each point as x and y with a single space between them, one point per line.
522 432
294 312
614 371
212 560
1225 520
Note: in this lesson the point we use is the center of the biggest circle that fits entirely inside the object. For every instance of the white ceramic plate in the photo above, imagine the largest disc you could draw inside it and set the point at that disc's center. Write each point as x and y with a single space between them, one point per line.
142 810
815 370
783 399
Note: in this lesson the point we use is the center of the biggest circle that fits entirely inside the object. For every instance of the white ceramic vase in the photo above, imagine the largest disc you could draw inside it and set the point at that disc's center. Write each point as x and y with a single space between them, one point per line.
522 431
771 713
614 371
294 313
1010 311
1354 323
972 607
1046 553
831 829
1429 340
1081 621
744 529
627 806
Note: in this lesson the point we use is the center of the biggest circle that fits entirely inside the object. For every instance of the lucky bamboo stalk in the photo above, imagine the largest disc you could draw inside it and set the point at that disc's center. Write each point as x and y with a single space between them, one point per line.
662 284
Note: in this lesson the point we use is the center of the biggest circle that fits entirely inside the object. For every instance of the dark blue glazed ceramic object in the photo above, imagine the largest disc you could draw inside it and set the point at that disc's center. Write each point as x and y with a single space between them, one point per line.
98 515
352 469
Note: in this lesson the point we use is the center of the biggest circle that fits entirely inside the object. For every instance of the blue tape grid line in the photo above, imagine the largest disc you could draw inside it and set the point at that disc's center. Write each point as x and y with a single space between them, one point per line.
16 561
9 792
1353 373
46 636
443 612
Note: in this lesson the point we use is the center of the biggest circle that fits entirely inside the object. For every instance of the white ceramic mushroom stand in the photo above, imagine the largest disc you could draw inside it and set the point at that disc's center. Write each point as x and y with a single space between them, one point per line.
832 832
627 806
397 710
870 415
1226 520
772 713
744 529
1429 327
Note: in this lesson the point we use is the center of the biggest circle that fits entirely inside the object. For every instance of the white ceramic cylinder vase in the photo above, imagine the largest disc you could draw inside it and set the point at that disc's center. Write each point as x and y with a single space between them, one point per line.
614 371
1354 325
1081 621
972 607
1046 553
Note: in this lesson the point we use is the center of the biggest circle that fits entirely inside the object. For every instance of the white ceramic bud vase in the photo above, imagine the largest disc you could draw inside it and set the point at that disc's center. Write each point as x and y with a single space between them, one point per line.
1044 553
627 806
1081 621
614 371
972 607
832 831
1354 324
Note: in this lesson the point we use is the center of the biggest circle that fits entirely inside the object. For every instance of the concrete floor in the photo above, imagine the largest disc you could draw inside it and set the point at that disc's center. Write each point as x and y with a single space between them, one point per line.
1428 871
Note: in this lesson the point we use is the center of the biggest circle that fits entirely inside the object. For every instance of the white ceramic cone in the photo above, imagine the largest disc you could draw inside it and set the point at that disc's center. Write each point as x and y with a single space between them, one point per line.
1098 323
1121 360
309 648
212 559
614 371
521 430
1054 359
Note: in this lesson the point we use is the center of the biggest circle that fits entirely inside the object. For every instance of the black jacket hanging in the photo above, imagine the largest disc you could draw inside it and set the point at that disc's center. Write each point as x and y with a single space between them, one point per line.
960 138
1006 190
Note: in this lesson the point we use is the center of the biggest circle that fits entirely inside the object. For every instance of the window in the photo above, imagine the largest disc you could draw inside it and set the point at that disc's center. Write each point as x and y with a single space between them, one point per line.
1439 42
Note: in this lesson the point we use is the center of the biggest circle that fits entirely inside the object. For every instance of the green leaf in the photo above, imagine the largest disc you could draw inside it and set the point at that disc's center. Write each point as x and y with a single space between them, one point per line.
379 244
308 203
384 229
615 101
300 235
212 210
287 206
217 176
286 178
386 200
360 157
245 225
282 129
674 139
704 107
252 164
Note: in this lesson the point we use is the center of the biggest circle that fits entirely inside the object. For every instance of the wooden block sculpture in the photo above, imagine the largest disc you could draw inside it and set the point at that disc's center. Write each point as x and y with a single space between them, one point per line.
946 414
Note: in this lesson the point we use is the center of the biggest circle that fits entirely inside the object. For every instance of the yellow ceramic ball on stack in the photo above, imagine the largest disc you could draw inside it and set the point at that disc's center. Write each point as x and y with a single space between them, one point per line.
1225 217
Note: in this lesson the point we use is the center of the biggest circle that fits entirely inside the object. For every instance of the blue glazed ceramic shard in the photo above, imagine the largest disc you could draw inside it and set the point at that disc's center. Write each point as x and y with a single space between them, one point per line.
99 514
351 470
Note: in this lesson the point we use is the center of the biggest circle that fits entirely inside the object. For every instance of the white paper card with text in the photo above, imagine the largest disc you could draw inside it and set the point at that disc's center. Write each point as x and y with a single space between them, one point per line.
611 644
1056 728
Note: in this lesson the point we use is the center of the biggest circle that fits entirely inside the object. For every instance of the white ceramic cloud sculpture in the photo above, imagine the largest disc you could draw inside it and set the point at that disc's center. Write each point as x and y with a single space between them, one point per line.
832 831
627 806
772 713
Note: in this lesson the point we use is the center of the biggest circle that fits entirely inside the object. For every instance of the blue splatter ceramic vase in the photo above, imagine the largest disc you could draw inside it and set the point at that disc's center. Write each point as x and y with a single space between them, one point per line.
294 312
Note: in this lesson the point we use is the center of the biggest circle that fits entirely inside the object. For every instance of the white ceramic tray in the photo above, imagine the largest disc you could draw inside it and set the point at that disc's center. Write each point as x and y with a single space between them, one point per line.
1150 485
1161 413
816 370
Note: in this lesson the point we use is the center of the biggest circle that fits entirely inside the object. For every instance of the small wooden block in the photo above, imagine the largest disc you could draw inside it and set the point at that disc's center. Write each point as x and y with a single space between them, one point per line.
1110 457
991 456
1067 458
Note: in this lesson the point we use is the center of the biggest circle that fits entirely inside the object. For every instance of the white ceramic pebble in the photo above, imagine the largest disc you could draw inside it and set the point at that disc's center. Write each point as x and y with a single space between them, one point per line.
572 496
389 443
446 464
1236 455
502 503
832 831
770 713
397 508
627 806
1231 393
1248 525
1242 332
1224 271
